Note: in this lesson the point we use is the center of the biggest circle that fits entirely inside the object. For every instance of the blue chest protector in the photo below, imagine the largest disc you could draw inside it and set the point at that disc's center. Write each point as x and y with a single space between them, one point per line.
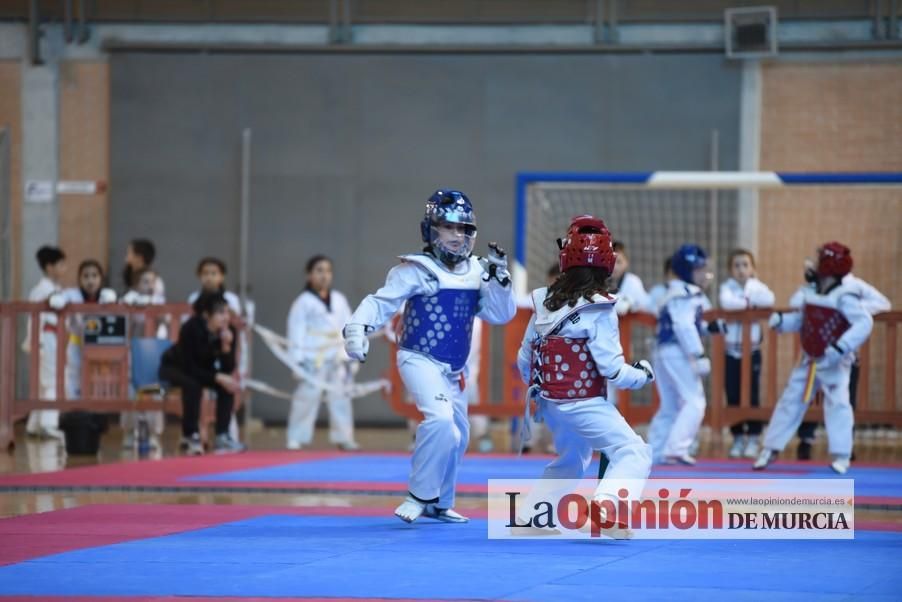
441 325
665 325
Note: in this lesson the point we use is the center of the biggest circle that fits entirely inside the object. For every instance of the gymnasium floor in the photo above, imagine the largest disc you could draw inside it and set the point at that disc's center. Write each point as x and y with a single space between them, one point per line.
278 525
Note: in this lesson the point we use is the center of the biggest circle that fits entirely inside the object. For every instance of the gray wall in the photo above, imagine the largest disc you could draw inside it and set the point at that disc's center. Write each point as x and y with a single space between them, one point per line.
346 147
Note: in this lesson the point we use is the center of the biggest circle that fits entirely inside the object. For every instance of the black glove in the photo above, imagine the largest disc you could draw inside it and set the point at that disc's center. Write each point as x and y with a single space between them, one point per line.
495 265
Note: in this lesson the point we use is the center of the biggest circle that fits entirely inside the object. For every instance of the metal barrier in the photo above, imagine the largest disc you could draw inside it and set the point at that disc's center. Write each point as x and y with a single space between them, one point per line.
780 353
105 369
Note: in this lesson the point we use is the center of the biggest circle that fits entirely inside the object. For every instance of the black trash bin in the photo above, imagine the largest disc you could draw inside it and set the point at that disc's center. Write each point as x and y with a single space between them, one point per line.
83 431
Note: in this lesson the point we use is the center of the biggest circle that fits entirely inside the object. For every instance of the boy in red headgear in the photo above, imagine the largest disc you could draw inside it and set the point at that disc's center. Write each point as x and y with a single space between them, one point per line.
833 323
570 351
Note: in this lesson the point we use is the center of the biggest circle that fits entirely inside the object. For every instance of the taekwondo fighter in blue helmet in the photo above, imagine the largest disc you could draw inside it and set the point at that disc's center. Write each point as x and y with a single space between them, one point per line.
442 289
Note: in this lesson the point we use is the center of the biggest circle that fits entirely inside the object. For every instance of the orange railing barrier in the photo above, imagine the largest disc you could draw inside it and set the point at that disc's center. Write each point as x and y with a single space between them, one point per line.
878 398
105 370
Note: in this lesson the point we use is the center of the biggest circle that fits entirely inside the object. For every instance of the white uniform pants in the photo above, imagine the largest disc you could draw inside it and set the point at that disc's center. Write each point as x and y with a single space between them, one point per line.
444 433
45 419
791 408
580 427
682 409
305 405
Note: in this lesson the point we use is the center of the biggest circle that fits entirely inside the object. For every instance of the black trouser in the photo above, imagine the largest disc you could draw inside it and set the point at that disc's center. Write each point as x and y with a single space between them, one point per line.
192 391
806 429
733 379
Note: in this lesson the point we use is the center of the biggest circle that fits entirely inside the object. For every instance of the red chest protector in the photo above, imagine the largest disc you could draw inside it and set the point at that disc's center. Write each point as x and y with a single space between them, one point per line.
821 326
565 370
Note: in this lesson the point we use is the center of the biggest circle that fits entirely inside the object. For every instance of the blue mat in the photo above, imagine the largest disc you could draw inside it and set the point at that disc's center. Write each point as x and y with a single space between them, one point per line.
477 470
381 557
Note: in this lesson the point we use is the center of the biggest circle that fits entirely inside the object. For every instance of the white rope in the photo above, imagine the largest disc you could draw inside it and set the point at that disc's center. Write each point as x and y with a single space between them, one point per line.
279 347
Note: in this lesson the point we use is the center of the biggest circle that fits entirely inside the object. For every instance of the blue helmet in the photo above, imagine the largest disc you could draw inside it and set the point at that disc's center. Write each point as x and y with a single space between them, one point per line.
449 207
687 259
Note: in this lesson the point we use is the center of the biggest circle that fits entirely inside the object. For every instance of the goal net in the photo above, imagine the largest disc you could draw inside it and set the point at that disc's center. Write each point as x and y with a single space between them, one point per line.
781 217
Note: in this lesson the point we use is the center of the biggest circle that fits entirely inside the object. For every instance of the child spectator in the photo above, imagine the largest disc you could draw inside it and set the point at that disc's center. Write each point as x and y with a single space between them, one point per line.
743 291
45 423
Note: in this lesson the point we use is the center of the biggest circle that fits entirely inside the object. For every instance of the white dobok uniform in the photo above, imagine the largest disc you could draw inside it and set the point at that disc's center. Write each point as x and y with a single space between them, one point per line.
566 357
734 296
434 344
838 318
44 419
314 331
682 396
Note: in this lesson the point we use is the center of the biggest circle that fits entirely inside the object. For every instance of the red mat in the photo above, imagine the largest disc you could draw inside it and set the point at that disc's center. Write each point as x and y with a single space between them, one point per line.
47 533
168 472
175 472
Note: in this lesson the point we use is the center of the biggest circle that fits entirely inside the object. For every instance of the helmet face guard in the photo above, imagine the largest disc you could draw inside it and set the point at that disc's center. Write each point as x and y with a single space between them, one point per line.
587 244
686 260
834 259
449 226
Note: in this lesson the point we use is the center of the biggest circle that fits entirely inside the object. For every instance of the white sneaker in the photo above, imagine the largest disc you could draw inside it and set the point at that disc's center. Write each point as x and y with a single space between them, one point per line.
410 509
485 444
840 464
752 448
764 458
294 445
739 444
446 515
52 432
685 460
616 531
192 445
350 446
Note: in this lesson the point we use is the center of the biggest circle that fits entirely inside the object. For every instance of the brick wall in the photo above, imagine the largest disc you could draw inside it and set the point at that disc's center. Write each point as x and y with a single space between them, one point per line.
832 117
11 119
84 155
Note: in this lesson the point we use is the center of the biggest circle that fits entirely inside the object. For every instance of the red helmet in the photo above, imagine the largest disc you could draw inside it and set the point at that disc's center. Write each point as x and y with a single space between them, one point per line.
587 244
834 259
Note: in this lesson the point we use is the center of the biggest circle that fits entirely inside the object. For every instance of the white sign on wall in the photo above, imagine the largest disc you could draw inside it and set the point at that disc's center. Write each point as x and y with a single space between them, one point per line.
38 191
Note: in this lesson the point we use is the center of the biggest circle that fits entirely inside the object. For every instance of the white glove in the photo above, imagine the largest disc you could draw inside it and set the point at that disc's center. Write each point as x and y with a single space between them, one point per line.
702 366
622 307
57 301
645 366
832 356
775 320
495 265
356 343
107 295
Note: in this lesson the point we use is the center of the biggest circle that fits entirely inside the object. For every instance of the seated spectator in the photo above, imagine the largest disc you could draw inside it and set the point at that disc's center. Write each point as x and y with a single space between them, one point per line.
204 357
211 272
